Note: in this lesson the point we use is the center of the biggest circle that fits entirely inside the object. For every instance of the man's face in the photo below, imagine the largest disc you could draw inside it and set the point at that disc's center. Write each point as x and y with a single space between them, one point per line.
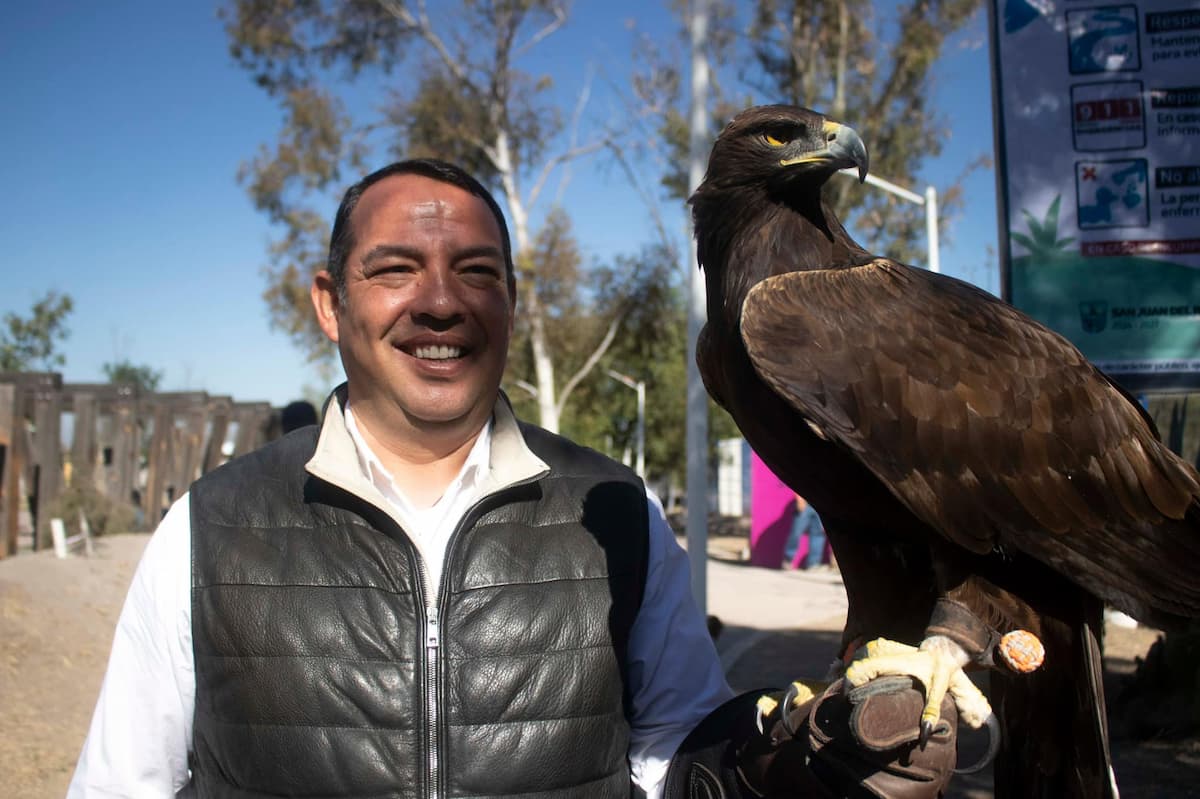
424 328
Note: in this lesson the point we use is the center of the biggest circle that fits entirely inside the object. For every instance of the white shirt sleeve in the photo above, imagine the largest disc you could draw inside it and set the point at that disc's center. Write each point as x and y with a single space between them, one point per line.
674 670
141 732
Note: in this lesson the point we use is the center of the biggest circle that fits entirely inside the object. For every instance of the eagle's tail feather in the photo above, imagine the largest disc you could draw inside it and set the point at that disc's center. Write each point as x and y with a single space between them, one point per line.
1092 695
1055 732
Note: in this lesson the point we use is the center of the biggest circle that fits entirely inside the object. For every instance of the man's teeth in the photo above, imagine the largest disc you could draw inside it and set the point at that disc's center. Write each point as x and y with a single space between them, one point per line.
439 353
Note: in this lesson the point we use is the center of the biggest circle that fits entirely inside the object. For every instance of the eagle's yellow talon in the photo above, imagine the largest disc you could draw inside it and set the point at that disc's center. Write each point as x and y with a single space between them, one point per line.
805 690
766 705
932 666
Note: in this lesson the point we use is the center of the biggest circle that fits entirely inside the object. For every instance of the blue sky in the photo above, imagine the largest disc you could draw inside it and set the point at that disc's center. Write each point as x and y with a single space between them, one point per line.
123 127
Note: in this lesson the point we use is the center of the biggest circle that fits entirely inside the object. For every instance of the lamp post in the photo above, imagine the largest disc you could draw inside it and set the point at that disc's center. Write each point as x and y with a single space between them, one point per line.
929 201
640 387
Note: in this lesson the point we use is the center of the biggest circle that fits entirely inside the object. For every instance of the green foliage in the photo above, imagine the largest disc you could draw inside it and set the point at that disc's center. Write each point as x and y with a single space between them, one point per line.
29 343
571 320
651 347
104 515
144 377
1043 241
435 124
453 96
285 43
440 120
836 57
832 55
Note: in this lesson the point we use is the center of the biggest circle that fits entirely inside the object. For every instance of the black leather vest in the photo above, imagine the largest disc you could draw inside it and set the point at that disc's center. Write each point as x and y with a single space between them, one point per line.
318 672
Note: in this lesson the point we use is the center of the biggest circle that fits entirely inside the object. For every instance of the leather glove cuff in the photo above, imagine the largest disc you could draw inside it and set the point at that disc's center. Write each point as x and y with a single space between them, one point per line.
861 742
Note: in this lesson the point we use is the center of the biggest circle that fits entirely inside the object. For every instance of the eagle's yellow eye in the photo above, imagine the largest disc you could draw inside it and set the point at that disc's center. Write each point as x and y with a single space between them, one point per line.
774 142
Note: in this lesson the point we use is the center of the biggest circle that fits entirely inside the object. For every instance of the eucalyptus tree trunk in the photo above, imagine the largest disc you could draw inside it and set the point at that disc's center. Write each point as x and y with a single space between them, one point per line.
530 304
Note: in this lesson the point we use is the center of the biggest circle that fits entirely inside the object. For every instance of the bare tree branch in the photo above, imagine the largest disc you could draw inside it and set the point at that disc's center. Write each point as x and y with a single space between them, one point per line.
648 198
423 26
560 18
584 95
563 157
590 363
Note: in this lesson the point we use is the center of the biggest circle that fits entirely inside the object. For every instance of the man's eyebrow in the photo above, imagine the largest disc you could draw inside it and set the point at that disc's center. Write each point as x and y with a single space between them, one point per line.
479 251
380 251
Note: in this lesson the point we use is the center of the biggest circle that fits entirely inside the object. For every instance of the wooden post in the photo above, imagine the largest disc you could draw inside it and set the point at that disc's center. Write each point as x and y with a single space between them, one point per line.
47 413
219 410
126 444
35 394
83 440
10 470
252 418
116 431
153 502
191 449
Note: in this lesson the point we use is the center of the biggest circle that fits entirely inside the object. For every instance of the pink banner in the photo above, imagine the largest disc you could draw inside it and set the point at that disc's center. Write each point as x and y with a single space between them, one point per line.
772 507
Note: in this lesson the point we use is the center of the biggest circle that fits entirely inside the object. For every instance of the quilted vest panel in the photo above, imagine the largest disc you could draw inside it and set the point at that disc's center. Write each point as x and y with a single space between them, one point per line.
312 668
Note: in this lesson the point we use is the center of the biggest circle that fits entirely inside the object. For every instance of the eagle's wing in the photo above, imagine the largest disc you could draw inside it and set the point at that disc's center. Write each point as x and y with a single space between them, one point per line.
991 428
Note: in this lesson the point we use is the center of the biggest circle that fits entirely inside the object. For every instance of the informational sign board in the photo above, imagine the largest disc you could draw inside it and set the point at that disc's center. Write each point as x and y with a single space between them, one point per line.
1098 144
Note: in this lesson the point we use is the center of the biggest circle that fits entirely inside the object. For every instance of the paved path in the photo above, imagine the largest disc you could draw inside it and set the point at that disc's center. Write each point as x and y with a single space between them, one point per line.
776 622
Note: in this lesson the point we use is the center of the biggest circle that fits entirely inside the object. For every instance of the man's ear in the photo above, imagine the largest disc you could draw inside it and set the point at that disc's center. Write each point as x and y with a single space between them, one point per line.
325 302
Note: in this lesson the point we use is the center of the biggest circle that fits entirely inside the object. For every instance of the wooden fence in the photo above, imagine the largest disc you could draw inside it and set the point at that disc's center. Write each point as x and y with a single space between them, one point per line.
140 450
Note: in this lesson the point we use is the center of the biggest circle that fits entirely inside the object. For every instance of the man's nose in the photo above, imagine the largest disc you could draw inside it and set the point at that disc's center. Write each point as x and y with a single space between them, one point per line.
437 296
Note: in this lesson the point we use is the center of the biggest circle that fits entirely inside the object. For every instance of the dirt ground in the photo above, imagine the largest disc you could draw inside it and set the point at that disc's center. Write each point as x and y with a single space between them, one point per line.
57 618
56 624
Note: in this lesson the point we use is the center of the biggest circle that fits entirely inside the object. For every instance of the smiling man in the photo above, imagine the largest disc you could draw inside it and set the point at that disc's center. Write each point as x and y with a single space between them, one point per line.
421 596
421 308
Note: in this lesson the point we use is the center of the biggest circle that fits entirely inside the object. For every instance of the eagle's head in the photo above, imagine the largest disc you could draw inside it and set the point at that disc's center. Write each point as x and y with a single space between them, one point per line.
761 197
776 145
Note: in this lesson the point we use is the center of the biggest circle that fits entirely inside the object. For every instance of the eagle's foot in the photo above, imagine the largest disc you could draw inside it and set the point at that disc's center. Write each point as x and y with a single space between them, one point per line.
938 665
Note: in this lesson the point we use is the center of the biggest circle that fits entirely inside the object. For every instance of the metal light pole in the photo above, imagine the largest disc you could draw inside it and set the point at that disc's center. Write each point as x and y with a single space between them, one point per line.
640 387
697 399
929 201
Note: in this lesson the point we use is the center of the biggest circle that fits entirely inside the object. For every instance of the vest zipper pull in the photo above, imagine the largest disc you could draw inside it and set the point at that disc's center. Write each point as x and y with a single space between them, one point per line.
431 695
431 630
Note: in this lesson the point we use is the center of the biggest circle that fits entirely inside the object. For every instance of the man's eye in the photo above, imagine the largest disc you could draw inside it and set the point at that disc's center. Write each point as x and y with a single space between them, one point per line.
390 269
481 269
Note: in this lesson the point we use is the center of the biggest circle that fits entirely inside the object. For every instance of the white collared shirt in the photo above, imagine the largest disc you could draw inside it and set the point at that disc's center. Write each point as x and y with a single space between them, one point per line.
141 731
429 528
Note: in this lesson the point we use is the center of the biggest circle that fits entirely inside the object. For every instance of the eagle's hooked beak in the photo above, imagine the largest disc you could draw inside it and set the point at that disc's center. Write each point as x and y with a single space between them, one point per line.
843 149
846 145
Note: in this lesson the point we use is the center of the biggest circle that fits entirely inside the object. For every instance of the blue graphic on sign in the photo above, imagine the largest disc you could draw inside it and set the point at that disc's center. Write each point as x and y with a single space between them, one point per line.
1111 193
1018 14
1103 39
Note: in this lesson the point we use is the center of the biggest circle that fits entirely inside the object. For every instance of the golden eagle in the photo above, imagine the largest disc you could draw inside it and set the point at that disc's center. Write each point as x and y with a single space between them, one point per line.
975 474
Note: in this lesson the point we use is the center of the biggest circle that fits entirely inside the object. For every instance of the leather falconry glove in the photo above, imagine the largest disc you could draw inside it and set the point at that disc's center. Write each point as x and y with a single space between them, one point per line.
858 743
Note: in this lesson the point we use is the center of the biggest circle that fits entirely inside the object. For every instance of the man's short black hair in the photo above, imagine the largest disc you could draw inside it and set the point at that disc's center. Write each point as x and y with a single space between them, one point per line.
341 241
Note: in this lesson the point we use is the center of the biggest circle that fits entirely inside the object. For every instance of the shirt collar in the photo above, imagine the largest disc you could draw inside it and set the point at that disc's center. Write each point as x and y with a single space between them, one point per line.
472 474
336 459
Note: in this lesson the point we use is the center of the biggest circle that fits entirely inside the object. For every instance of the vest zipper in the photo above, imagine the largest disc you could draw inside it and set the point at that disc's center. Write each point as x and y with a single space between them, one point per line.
431 694
433 631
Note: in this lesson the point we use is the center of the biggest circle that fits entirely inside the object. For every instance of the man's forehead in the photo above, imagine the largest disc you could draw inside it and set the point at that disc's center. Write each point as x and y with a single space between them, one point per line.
420 196
418 200
419 209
